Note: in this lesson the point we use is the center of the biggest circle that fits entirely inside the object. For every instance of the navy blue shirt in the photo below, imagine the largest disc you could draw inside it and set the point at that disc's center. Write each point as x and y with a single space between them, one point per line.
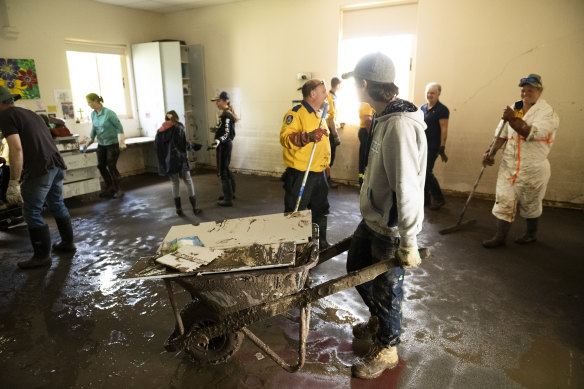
432 118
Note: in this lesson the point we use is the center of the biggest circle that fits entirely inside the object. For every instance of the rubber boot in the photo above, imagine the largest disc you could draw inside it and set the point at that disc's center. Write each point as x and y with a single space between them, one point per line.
41 245
530 235
193 200
66 244
178 207
118 193
322 225
500 237
232 180
227 194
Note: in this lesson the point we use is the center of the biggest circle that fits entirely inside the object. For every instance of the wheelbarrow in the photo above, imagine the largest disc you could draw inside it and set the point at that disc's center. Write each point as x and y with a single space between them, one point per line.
212 326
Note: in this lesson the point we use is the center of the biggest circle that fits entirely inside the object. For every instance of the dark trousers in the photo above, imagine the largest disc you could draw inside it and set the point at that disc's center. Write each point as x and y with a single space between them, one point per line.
107 160
432 187
223 159
314 197
362 135
383 295
333 149
4 179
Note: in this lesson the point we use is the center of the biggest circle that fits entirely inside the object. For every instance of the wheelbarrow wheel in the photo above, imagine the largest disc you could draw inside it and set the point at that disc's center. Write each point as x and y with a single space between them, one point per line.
217 350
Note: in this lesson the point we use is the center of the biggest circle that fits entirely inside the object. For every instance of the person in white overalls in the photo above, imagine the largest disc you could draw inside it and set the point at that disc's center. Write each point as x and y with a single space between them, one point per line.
529 132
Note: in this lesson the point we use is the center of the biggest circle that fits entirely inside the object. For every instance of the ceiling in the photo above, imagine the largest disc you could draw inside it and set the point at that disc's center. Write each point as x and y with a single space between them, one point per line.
165 6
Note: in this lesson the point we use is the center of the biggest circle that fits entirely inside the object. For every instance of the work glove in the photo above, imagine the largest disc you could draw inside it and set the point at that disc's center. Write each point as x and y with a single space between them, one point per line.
442 154
215 144
408 257
301 138
86 145
316 135
196 146
488 160
337 139
13 195
122 142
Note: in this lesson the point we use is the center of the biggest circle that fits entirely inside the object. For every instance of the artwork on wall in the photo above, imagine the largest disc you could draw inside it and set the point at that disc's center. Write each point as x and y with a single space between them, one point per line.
19 76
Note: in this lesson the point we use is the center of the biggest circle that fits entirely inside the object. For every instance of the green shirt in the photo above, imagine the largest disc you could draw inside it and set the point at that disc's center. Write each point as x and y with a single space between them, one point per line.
106 126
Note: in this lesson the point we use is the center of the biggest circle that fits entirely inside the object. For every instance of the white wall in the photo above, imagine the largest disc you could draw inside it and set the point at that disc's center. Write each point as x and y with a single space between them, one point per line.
477 50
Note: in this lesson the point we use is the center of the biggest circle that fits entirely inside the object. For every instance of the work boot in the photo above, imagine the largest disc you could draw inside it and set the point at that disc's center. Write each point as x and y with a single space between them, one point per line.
437 204
193 201
377 360
367 330
227 194
529 236
41 245
107 192
322 225
500 236
66 244
178 207
117 190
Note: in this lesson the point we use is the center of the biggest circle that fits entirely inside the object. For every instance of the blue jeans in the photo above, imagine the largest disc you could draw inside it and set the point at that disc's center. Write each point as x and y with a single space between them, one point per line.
38 190
382 295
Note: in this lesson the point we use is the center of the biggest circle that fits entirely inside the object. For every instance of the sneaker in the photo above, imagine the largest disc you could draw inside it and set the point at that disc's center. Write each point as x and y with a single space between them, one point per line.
377 360
367 330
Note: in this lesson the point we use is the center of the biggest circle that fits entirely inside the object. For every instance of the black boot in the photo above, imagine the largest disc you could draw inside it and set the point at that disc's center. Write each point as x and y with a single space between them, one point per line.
227 194
41 245
529 236
66 231
500 236
322 225
179 211
193 200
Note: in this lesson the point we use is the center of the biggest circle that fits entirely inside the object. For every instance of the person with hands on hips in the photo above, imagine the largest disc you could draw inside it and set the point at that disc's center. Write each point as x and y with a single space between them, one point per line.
436 116
110 141
224 144
529 132
392 206
301 127
34 158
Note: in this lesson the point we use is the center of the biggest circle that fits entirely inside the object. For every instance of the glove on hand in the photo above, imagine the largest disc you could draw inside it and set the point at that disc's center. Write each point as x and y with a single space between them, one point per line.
196 146
301 138
215 144
337 139
316 135
84 148
488 160
442 154
408 257
13 193
123 146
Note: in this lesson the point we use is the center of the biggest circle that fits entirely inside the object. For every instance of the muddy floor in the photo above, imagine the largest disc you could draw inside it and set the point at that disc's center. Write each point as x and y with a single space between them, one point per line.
473 318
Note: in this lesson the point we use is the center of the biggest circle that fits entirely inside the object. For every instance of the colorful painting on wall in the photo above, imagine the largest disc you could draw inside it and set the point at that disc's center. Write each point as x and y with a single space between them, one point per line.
19 76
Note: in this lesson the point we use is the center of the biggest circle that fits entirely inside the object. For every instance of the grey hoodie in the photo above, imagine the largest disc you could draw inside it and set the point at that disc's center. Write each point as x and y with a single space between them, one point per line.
392 195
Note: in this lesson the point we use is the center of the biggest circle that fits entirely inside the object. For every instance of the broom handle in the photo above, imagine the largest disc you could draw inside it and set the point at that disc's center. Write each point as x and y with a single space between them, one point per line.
491 149
324 111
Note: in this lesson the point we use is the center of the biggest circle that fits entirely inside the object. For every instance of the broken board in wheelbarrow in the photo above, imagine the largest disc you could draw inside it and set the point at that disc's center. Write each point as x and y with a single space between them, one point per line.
233 245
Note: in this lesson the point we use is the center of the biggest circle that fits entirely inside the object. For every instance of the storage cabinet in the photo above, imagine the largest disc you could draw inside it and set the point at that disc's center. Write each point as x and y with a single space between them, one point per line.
166 79
82 176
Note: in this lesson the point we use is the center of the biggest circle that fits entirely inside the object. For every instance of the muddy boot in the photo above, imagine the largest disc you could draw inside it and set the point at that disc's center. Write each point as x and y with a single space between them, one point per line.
41 245
529 236
178 207
193 200
500 236
117 191
66 244
227 194
367 330
322 225
437 204
377 360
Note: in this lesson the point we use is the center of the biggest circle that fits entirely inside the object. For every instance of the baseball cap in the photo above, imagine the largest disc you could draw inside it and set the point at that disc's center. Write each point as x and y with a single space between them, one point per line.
533 80
222 96
6 95
374 67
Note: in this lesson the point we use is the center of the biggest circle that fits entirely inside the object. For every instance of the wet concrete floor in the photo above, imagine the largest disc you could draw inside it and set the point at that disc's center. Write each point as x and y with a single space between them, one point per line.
473 318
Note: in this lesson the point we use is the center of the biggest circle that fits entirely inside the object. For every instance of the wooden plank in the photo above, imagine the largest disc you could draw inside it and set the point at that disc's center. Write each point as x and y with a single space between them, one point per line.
267 229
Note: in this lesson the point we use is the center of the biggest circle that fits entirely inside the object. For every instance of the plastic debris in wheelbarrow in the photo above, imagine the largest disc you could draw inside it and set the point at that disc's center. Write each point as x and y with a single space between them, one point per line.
250 243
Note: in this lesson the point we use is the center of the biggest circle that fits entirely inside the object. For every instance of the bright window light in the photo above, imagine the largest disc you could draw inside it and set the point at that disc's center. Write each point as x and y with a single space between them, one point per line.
396 47
97 73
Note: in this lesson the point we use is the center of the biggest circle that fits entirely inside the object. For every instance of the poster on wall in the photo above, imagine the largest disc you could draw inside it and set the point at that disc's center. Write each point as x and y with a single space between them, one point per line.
68 112
19 77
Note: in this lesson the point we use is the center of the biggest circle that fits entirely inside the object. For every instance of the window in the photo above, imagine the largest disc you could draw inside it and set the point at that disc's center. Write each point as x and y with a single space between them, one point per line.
96 69
376 27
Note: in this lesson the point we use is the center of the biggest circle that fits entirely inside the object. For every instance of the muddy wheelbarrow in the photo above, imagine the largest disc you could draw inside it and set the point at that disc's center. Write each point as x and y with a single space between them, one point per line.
212 326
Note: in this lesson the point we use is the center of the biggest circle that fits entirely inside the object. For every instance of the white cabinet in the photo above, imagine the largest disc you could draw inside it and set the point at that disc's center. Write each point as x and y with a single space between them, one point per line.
170 76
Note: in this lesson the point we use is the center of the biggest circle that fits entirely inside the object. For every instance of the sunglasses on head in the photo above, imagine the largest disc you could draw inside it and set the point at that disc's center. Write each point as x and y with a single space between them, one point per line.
530 79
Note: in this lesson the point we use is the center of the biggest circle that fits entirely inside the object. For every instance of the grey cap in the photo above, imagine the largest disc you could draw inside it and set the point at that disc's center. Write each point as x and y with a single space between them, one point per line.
5 95
374 67
533 80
